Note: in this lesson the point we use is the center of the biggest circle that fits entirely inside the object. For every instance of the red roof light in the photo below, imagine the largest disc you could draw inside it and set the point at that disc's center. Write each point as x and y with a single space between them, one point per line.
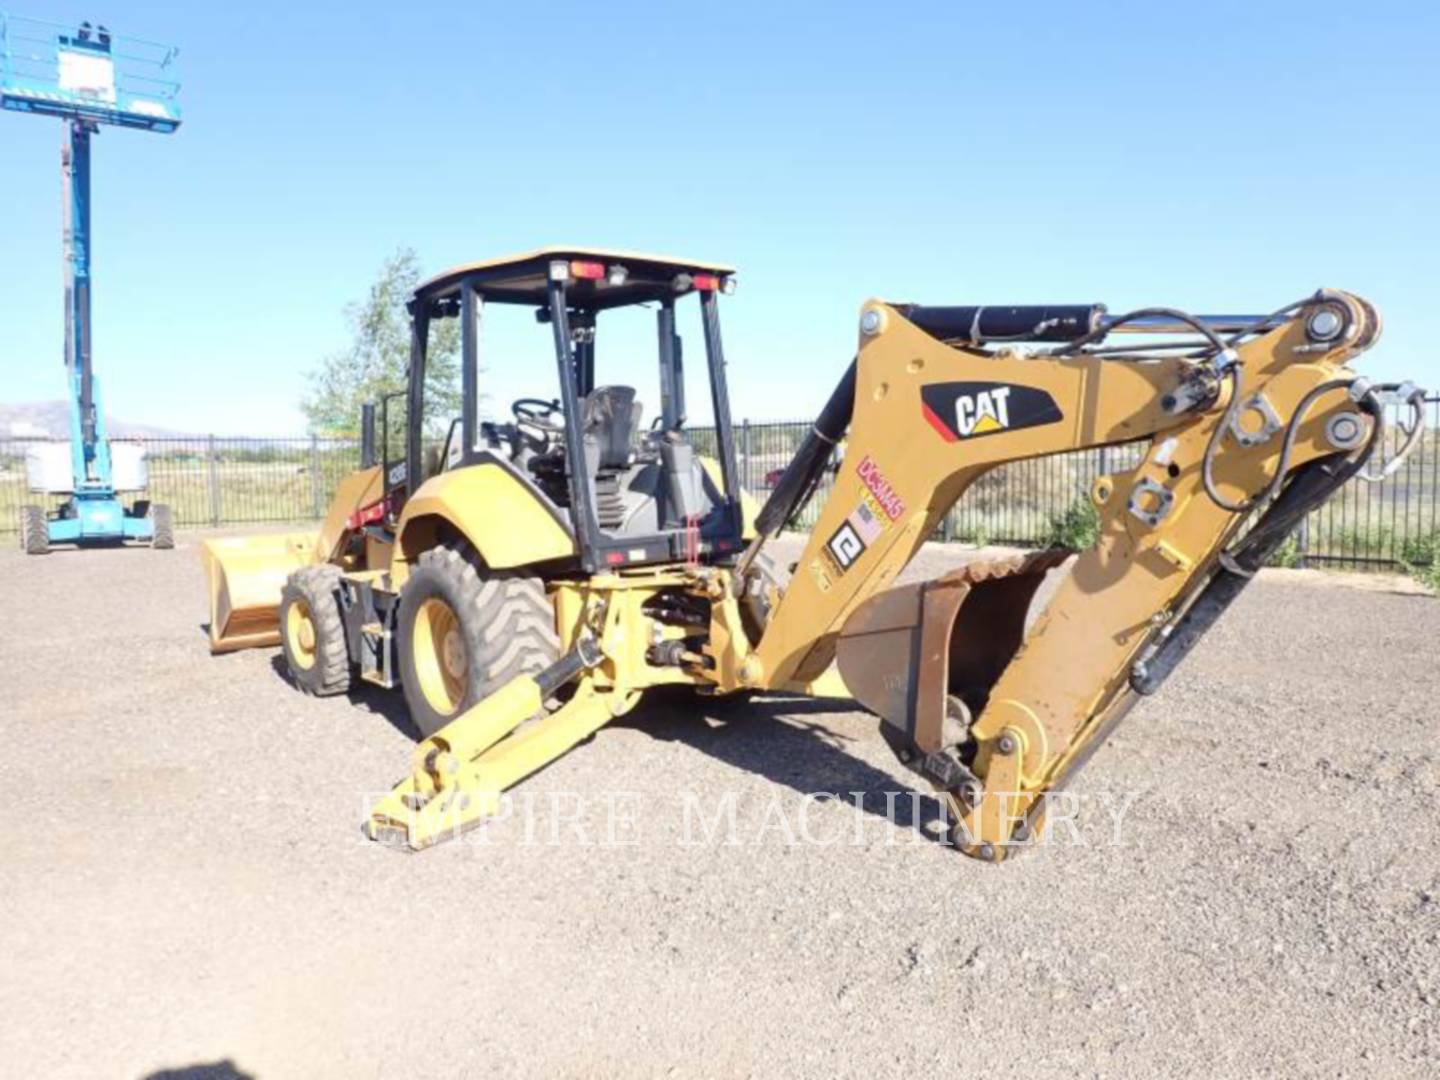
592 271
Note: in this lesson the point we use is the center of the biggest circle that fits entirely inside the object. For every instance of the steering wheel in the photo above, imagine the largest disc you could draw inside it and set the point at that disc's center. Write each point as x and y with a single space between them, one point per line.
537 413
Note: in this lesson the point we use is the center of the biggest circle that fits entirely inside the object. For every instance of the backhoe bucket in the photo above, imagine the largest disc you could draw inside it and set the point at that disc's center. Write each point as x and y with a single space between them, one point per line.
918 654
246 574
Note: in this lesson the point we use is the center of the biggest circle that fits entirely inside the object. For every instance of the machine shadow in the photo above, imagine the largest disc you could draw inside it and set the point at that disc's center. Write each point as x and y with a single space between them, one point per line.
765 736
213 1070
389 704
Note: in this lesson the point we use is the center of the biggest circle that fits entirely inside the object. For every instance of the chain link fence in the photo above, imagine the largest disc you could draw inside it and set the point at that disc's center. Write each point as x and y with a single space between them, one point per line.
212 481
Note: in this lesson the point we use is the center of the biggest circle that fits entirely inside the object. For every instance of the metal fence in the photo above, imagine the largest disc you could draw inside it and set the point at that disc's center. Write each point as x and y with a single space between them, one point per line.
212 481
221 481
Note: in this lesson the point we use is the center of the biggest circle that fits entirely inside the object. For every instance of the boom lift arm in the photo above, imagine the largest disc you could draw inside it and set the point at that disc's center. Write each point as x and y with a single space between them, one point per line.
1250 423
86 77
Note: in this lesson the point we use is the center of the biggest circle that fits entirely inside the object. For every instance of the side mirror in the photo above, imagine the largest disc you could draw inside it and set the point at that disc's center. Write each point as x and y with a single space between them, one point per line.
367 435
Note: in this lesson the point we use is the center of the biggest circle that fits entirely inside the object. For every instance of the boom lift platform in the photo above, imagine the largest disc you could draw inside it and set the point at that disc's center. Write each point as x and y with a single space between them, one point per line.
532 586
86 76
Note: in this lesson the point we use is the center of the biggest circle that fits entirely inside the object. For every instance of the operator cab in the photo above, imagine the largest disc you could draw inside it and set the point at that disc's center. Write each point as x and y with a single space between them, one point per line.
630 493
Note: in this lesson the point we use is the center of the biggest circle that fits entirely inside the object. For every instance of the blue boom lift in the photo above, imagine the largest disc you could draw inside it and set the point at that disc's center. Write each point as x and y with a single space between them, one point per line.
86 76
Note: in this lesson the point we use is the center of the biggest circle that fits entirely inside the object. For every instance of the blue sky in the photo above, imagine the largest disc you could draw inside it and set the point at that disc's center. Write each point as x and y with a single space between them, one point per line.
1215 157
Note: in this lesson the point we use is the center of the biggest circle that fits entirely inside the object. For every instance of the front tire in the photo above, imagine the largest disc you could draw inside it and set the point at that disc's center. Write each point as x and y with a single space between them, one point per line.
162 523
34 532
465 631
312 631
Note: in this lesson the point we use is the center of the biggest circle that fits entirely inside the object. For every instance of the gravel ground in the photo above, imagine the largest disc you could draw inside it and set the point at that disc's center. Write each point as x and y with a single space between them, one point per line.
186 892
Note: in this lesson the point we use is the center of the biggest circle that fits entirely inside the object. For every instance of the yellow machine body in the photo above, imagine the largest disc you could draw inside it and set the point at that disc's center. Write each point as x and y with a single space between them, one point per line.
992 703
1030 704
493 511
484 505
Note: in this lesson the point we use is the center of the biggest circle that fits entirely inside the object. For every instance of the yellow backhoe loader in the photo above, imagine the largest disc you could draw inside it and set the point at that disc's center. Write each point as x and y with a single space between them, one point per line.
527 584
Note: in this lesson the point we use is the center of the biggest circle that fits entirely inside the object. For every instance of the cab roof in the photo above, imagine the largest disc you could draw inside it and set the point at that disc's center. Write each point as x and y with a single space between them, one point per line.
524 278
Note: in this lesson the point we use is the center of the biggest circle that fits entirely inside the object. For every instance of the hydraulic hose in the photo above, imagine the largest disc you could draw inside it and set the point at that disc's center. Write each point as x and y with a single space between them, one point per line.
1415 398
1232 410
1109 325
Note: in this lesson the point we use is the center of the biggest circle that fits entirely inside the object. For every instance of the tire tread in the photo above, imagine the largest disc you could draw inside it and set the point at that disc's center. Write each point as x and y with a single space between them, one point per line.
505 615
163 523
319 586
34 533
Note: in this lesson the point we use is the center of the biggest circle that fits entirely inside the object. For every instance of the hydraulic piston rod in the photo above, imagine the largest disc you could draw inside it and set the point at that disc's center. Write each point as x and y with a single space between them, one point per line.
998 323
1164 324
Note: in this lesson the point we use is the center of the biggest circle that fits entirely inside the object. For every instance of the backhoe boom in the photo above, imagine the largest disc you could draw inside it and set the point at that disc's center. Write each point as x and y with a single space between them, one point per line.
993 715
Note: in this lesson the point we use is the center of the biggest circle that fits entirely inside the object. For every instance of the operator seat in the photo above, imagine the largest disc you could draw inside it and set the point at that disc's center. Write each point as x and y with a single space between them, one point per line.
610 416
609 422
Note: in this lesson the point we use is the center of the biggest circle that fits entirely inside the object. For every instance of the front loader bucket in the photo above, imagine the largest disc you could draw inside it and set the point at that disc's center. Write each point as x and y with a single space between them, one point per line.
246 574
918 654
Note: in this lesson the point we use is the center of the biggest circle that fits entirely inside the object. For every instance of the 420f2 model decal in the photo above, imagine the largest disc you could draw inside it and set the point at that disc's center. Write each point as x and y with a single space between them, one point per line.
968 410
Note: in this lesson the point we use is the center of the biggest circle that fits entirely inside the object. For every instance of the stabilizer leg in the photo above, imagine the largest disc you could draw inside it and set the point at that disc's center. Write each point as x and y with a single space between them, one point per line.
459 774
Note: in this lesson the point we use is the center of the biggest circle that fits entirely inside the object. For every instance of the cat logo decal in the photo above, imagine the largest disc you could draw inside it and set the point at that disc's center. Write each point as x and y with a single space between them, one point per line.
969 410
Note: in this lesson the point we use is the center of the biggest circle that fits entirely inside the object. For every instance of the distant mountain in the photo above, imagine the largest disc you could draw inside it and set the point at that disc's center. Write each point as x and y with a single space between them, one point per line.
39 419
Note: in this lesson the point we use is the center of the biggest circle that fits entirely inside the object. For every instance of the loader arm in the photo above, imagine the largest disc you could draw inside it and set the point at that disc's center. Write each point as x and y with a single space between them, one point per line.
992 716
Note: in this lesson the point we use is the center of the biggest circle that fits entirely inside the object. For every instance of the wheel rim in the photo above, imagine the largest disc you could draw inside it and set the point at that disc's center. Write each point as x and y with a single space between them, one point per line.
300 633
440 661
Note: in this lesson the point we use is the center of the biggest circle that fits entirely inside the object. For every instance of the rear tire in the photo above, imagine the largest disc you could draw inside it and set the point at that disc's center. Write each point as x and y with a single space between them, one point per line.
34 532
163 524
465 631
312 631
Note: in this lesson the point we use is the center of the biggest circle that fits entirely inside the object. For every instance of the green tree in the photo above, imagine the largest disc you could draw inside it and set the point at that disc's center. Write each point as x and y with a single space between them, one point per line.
377 359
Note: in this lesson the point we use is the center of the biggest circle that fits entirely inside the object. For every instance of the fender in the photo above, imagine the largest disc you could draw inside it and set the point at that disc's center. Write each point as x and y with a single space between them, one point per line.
503 516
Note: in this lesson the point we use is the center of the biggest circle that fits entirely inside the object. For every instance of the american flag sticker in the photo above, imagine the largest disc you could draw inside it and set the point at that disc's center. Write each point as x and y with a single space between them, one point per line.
865 523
